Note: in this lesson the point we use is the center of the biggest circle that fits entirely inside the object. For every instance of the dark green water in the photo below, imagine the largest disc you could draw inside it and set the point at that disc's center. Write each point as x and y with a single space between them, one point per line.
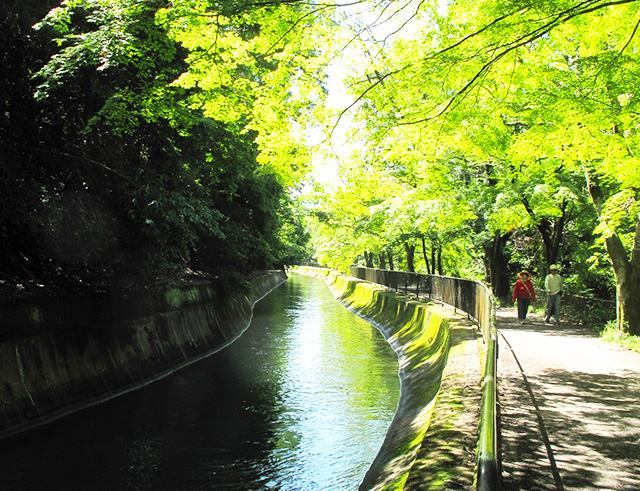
301 401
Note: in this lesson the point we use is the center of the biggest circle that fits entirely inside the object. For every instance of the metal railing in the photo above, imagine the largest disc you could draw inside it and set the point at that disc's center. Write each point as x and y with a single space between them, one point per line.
581 309
477 301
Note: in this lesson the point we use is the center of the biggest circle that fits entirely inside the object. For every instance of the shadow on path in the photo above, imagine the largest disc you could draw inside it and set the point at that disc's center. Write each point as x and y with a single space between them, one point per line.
594 425
568 399
507 320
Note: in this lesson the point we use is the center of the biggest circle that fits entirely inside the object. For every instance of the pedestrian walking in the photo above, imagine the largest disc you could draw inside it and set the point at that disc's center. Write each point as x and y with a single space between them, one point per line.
524 294
553 287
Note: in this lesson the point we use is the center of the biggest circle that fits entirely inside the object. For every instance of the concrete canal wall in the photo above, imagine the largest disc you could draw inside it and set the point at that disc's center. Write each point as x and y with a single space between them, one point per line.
431 442
61 355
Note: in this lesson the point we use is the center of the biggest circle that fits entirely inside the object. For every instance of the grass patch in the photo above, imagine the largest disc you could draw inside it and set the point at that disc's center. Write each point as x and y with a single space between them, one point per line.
611 334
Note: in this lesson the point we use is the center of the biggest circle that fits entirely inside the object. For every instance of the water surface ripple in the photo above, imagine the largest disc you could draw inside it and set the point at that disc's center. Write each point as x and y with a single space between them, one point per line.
301 401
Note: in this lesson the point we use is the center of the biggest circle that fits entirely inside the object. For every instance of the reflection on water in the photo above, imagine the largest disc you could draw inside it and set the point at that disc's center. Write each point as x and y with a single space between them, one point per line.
301 401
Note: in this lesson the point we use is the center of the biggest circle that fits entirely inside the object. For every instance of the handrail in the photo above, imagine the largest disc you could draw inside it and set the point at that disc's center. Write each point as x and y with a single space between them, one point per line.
477 301
488 468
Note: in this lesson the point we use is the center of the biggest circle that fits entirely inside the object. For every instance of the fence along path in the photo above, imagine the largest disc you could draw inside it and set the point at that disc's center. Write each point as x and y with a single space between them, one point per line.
569 403
476 300
569 408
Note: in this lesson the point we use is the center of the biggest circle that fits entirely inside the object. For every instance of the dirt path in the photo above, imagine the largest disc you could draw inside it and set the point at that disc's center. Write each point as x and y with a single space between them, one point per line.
569 408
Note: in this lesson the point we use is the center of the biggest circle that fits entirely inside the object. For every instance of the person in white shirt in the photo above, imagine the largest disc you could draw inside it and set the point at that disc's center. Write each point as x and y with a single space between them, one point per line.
553 287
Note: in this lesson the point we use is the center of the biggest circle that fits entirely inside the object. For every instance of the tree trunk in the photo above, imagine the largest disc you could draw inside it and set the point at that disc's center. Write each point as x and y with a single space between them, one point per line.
368 259
410 250
424 254
433 258
551 231
440 270
383 262
627 271
390 256
498 265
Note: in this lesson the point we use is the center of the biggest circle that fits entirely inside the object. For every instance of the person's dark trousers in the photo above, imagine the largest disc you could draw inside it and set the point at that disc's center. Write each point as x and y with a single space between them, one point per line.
553 307
523 307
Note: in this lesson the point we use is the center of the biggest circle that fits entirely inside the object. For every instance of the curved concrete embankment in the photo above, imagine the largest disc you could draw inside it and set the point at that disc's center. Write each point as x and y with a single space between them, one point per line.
431 442
61 355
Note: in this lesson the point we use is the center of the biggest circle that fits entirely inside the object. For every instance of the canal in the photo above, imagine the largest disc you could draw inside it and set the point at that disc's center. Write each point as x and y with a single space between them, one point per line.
301 401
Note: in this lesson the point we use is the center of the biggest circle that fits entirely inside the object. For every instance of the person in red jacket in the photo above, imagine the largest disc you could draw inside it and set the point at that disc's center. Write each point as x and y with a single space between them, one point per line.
524 293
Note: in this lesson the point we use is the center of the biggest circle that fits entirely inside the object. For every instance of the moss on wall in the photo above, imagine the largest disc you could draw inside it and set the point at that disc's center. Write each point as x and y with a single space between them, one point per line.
414 454
81 351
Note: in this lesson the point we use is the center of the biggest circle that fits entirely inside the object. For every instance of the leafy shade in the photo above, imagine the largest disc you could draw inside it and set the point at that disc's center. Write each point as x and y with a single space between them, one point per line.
147 149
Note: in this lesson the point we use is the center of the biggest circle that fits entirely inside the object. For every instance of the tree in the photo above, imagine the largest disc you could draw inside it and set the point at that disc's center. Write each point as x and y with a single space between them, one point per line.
548 103
148 149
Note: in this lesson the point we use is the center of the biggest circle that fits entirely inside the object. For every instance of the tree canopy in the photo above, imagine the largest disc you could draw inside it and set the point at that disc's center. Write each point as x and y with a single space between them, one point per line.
141 138
510 129
152 137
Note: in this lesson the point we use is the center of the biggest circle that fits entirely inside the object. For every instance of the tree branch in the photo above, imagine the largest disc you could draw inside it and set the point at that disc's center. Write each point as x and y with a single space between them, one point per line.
633 33
635 253
378 81
583 8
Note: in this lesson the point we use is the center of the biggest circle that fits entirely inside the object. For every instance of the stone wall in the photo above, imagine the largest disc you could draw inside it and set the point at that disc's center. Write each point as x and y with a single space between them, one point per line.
61 355
430 443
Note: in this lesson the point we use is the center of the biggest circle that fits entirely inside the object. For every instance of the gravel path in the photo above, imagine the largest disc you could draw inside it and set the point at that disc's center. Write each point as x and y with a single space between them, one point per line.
569 408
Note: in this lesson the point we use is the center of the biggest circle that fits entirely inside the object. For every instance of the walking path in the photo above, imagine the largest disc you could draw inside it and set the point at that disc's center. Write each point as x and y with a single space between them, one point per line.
569 408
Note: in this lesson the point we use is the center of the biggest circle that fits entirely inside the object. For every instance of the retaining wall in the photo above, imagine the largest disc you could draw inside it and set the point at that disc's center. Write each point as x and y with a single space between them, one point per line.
61 355
432 345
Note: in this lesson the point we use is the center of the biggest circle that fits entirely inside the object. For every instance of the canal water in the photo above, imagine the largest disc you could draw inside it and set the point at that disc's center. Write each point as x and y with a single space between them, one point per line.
301 401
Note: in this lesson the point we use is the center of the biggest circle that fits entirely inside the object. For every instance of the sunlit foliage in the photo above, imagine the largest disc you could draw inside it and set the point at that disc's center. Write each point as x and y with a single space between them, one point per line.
520 118
485 137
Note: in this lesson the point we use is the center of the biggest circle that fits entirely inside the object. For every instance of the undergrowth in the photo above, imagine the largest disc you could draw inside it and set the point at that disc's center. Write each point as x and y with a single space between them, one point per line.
612 334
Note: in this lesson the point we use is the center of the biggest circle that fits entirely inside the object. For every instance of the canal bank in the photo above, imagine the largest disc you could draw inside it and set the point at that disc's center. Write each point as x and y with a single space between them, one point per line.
432 440
300 402
61 355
